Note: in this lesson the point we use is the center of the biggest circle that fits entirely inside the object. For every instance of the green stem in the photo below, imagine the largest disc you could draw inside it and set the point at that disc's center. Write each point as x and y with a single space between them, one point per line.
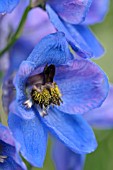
18 32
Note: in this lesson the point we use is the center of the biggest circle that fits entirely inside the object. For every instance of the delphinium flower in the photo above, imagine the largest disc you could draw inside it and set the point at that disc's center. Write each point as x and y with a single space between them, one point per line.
72 17
9 151
7 6
100 118
51 90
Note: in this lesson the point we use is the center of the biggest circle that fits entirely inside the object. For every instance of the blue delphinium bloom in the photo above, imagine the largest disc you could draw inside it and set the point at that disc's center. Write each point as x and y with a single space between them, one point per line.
7 6
100 118
48 78
9 157
79 36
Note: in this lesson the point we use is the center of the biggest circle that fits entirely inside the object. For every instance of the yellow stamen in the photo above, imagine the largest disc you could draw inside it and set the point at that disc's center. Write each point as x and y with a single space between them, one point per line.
50 94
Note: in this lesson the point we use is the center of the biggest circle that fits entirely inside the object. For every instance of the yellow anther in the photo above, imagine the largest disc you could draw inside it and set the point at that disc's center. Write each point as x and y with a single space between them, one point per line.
50 94
41 98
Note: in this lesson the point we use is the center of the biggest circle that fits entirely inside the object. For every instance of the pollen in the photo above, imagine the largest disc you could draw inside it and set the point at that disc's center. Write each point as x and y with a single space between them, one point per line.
41 97
55 95
45 96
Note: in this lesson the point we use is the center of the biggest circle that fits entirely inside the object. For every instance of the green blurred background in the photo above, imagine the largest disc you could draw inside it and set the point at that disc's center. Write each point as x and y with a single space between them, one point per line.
102 158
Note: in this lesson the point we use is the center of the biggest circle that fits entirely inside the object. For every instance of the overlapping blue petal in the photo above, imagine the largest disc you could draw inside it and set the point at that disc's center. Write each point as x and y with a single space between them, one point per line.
32 137
83 85
72 130
89 38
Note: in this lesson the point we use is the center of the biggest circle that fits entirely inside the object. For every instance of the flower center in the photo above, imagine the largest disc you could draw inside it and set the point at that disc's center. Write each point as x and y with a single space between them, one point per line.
46 95
45 91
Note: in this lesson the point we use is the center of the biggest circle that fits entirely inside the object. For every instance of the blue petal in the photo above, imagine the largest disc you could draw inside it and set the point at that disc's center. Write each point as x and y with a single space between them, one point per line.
72 11
7 6
83 85
72 130
65 159
74 36
89 39
101 7
10 164
32 137
102 118
51 49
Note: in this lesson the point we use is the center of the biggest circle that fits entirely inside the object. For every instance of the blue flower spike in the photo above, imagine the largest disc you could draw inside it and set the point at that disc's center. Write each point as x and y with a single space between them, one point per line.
6 6
9 158
51 92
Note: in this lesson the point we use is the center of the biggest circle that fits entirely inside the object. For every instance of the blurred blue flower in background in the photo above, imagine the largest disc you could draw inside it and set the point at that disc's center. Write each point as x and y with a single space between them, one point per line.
65 159
7 6
9 157
100 118
78 96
